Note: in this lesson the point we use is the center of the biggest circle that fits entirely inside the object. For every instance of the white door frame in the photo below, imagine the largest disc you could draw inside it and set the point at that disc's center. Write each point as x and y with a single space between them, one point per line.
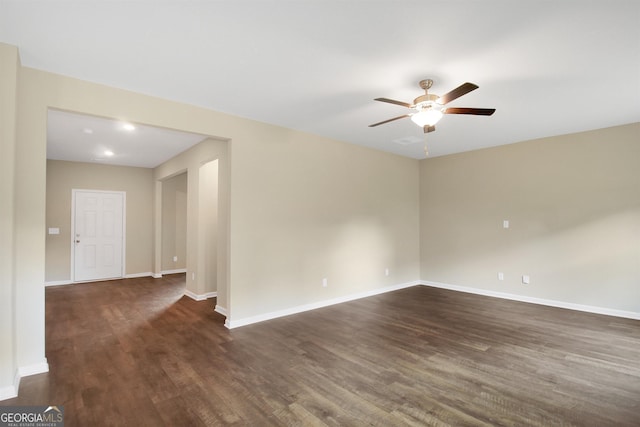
74 191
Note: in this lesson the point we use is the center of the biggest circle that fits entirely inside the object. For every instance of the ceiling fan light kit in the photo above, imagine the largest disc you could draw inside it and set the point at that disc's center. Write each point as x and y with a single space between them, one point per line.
427 116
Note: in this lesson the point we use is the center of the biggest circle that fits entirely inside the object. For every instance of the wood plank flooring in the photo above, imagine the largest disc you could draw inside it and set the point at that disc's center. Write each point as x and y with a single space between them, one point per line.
135 352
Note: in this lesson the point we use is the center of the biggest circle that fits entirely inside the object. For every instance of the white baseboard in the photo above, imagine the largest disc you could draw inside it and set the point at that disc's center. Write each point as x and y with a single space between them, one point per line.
126 276
200 297
221 310
37 368
11 391
312 306
58 283
533 300
135 275
154 275
16 381
176 271
23 371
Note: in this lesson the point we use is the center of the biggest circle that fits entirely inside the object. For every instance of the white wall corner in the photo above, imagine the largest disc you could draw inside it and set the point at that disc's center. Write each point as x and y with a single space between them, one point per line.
37 368
11 391
221 310
23 371
534 300
200 297
58 283
16 381
176 271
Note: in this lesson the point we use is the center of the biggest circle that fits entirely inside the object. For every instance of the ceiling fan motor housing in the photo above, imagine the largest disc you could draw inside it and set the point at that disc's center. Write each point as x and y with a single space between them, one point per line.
425 101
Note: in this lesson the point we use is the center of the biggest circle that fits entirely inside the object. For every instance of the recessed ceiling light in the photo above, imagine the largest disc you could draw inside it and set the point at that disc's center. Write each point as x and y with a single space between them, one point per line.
108 153
128 126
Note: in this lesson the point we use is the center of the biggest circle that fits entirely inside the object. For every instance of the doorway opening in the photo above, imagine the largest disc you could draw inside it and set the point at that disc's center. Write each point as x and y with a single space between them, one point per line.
174 224
101 154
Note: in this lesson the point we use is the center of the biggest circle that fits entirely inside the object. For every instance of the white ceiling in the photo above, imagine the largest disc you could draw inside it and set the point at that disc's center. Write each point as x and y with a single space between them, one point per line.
548 67
82 138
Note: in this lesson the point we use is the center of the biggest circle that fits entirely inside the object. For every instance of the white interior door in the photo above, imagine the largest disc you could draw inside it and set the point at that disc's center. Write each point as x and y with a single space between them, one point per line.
98 243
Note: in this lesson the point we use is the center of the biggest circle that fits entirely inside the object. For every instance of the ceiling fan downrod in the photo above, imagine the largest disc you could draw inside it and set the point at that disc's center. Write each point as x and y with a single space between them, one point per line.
427 99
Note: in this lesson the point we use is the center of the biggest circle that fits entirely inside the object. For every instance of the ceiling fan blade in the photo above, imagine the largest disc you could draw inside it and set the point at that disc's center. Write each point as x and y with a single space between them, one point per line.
473 111
463 89
393 101
428 128
390 120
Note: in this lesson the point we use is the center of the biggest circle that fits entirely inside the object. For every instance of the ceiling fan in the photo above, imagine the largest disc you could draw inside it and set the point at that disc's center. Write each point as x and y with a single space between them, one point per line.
429 108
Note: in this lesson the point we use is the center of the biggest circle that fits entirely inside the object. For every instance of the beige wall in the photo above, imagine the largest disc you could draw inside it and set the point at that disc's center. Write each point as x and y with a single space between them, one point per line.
174 222
63 176
573 203
208 225
9 68
306 208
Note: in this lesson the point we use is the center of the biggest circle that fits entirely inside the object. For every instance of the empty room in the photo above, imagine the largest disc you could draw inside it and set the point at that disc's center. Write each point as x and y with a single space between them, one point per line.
268 212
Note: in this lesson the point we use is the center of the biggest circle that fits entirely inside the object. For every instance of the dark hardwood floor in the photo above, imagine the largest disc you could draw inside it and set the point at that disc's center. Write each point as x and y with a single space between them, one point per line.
136 352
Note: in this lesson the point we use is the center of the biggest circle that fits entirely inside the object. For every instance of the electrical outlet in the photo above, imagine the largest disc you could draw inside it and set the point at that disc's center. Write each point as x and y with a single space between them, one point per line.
525 279
501 276
324 282
386 271
175 258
